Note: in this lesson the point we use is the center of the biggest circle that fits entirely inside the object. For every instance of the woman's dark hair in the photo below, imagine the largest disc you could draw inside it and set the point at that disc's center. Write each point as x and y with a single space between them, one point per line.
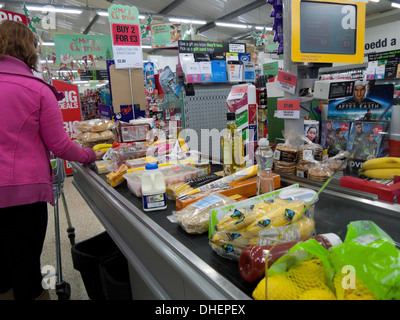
18 41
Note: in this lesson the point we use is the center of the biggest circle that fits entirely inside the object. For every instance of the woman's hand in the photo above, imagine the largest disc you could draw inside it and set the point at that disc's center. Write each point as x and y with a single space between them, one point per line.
99 154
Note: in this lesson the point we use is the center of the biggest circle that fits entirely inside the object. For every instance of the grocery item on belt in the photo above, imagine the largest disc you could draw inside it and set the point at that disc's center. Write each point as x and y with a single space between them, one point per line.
237 176
252 258
94 125
195 217
115 177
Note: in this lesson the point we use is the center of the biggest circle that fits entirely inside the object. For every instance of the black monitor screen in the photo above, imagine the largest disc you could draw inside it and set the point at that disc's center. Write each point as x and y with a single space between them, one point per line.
328 28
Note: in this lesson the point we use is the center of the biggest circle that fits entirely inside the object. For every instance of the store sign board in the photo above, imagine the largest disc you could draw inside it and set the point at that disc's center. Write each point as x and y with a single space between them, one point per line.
71 111
69 47
288 109
185 46
126 37
168 35
8 15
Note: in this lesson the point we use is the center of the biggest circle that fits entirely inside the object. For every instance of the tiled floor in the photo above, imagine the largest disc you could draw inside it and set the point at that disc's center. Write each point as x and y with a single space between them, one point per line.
86 226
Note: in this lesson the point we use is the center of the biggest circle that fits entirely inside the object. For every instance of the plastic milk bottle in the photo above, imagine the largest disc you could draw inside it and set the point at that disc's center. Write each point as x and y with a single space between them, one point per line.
153 189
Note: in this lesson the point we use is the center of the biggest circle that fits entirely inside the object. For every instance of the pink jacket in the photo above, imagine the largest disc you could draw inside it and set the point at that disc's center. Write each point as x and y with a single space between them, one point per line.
31 125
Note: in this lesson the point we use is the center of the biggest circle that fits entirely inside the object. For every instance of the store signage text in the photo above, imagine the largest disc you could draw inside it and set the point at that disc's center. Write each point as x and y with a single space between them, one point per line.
124 14
288 109
381 43
70 101
86 45
125 35
8 15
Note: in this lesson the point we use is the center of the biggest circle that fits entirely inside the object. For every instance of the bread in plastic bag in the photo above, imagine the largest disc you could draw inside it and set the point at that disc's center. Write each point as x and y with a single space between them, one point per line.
195 217
94 125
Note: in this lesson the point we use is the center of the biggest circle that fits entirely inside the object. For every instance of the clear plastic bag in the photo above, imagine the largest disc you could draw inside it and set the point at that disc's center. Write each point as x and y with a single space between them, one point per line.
94 125
195 217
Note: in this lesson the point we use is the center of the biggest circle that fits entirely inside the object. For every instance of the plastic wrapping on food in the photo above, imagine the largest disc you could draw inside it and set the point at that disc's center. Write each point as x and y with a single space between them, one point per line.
195 217
266 222
173 174
94 125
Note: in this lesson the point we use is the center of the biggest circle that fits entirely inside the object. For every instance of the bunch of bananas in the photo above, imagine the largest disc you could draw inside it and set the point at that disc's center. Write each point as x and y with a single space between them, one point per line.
102 147
241 227
381 168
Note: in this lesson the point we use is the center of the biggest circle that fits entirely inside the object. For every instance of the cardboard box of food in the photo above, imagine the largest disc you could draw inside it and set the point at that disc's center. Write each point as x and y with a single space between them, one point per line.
246 188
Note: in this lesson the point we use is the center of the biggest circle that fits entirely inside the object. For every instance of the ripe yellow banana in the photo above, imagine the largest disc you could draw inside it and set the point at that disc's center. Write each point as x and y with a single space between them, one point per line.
381 163
102 146
381 173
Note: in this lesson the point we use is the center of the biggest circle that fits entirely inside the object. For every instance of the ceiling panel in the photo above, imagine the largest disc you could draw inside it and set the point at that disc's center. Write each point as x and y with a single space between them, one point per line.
209 10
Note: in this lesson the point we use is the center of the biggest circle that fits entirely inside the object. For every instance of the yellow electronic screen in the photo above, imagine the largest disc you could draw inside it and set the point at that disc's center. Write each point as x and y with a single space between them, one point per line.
328 31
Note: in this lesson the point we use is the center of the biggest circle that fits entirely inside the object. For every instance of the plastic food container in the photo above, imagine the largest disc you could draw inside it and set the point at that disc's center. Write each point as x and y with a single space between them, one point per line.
172 174
301 194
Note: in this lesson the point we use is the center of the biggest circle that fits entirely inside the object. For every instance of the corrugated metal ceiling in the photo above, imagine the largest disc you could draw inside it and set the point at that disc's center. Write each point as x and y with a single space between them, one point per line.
254 12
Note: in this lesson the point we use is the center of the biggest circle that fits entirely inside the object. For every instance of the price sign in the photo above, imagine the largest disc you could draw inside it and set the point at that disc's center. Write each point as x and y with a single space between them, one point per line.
287 82
288 109
126 37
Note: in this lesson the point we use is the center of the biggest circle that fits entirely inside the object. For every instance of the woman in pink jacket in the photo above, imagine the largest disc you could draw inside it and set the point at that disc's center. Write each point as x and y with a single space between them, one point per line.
31 126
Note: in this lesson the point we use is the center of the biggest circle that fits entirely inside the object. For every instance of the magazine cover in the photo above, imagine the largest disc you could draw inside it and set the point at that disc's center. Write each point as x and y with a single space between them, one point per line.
335 135
368 103
365 139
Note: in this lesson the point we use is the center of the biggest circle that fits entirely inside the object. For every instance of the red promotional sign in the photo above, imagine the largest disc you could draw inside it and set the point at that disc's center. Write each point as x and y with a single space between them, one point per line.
288 109
125 34
8 15
71 111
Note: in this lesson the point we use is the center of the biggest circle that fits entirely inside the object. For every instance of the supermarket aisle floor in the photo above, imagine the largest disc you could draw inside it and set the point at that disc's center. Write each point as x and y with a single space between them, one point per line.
86 226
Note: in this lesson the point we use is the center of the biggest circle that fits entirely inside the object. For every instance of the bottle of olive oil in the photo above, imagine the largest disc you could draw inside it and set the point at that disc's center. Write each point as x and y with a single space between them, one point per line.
232 147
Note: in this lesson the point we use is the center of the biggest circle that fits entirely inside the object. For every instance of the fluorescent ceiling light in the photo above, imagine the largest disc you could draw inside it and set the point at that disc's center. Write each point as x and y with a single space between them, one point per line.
44 43
1 5
49 8
262 28
396 5
374 0
193 21
232 25
146 47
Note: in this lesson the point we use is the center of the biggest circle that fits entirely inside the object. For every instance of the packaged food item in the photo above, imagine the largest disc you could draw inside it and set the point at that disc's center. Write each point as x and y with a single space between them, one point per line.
175 190
122 153
375 258
153 189
263 223
94 125
195 217
252 258
311 150
237 176
173 174
115 177
102 166
320 173
304 273
130 132
302 169
309 196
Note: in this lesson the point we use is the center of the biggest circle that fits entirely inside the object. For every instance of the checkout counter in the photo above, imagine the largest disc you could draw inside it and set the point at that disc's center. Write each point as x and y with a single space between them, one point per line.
167 263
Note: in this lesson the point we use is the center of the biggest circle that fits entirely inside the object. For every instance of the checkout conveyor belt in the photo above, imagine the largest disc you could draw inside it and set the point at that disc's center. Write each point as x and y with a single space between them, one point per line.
168 263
